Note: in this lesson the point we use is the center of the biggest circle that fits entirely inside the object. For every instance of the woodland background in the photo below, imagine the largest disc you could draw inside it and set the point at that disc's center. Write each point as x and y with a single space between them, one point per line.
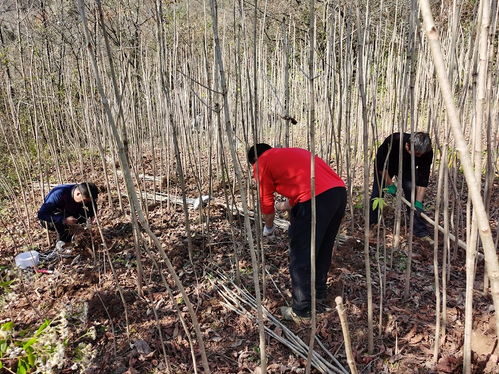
157 102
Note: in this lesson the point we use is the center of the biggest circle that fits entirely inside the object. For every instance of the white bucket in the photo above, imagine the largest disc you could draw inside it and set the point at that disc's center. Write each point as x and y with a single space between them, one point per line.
27 259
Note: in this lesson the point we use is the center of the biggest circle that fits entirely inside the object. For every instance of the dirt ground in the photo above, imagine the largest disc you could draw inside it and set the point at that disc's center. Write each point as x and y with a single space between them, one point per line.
93 301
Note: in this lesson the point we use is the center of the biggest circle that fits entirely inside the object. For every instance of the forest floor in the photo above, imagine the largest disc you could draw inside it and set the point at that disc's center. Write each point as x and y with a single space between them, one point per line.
91 331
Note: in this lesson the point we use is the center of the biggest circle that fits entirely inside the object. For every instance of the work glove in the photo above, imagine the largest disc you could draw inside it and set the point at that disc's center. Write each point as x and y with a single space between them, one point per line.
59 245
391 189
419 207
268 231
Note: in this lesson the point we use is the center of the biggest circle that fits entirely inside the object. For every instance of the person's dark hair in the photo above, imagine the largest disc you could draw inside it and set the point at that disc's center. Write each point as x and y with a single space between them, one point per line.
88 190
422 142
259 148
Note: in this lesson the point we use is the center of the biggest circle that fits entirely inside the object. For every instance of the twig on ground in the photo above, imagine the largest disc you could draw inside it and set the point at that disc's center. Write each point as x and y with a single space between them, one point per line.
240 301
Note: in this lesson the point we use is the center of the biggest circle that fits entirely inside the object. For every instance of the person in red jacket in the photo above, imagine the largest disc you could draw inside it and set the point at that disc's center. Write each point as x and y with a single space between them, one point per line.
287 172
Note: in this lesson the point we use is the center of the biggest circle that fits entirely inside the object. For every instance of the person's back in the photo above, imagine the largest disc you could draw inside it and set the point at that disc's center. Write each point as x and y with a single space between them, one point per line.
59 204
386 166
287 172
387 158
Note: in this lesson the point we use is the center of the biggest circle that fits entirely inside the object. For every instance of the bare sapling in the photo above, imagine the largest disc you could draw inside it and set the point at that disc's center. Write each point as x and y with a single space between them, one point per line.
489 250
346 335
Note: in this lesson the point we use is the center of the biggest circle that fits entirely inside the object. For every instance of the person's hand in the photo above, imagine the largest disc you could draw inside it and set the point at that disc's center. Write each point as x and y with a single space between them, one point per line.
70 220
268 231
282 206
89 223
391 189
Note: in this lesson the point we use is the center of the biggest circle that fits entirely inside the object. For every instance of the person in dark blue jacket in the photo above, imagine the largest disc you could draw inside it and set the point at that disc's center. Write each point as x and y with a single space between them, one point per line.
66 206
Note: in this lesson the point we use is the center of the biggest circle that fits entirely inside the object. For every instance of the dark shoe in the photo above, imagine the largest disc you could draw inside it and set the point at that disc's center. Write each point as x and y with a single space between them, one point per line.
61 250
322 306
289 315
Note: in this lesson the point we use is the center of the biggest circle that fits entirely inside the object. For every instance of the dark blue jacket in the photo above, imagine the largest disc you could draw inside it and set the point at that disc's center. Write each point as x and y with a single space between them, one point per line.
59 204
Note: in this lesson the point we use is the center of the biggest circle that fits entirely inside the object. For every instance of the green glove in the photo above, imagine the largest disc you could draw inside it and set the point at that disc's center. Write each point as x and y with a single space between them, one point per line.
419 205
391 189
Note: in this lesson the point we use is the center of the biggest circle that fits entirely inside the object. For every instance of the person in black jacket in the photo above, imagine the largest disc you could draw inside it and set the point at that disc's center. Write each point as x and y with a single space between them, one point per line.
386 166
66 206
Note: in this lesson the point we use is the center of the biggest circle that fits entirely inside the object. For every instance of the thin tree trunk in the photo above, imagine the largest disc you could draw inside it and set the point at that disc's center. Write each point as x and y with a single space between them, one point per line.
492 264
367 205
286 58
436 273
242 187
479 120
313 223
346 335
134 201
412 116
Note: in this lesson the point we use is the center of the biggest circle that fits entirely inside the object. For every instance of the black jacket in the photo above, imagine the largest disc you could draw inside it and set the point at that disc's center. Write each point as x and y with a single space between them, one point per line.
390 150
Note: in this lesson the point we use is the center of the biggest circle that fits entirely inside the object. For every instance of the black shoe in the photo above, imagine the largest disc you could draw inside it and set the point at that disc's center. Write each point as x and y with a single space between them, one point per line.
322 306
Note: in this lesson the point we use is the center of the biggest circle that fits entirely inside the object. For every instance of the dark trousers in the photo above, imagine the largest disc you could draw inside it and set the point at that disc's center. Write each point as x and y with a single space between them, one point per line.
419 227
64 232
330 210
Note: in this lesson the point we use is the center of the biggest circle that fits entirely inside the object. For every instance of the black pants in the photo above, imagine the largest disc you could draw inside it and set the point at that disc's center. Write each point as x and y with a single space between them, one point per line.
419 227
63 231
330 210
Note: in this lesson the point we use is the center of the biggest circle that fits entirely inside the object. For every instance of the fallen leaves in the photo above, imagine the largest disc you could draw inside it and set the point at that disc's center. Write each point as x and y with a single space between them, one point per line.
413 337
448 364
142 347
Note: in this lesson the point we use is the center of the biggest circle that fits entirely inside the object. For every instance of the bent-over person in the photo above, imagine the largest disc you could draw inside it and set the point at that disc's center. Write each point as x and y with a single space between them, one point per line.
66 206
287 172
386 166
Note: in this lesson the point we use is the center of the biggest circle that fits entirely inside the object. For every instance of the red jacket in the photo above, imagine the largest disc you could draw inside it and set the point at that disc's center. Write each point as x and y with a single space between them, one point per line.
287 172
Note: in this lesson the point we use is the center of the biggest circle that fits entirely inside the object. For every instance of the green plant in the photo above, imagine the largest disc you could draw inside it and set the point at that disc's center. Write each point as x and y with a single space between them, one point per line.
45 349
378 202
400 261
21 349
256 354
358 201
5 285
